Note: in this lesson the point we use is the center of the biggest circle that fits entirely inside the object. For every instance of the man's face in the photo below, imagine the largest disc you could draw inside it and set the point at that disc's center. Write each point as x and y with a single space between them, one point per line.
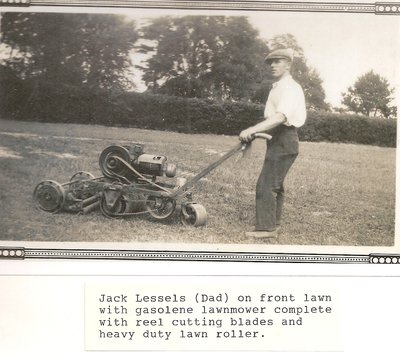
279 66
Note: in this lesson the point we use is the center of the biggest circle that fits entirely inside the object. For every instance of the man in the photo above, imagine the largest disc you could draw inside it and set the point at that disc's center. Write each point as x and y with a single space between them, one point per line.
284 112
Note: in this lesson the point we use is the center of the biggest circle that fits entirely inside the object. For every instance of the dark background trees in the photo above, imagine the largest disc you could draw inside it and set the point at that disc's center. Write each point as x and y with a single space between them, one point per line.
220 58
216 58
202 56
371 96
71 49
204 74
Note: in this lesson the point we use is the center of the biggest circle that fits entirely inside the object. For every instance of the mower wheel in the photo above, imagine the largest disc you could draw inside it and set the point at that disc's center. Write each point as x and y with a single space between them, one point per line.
118 208
78 184
160 208
49 196
109 163
193 214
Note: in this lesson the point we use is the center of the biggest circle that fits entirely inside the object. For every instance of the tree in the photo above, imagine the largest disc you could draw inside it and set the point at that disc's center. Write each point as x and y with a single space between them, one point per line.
370 95
74 49
221 58
307 76
202 56
238 61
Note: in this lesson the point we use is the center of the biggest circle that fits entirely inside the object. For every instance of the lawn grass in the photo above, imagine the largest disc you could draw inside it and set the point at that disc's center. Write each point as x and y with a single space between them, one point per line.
336 194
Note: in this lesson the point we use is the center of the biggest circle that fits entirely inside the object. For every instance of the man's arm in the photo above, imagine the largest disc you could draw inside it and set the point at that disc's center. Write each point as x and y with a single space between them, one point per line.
267 124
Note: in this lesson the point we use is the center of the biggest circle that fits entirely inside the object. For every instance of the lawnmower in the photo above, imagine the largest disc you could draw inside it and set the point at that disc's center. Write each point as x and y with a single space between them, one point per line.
133 183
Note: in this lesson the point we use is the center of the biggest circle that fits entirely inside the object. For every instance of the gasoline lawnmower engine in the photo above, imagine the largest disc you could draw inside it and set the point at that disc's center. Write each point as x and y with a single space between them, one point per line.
131 163
133 183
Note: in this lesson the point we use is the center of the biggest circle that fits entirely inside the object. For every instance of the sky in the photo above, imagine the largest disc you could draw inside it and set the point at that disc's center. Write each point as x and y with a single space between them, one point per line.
341 47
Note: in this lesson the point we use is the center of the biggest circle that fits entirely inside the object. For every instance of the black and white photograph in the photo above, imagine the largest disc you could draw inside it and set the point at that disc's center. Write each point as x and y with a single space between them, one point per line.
193 127
184 178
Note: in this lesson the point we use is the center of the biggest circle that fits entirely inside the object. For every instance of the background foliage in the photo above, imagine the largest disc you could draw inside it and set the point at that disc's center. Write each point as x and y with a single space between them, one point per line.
66 104
81 50
370 96
204 74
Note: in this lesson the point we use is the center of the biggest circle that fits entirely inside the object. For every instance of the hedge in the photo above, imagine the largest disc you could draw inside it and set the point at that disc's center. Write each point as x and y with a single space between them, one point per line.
65 104
348 128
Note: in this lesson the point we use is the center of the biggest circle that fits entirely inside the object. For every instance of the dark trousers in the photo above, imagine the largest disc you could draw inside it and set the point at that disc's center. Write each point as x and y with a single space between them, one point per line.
270 191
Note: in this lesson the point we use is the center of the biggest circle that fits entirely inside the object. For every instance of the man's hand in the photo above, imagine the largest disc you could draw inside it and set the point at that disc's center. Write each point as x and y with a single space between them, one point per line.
247 135
268 123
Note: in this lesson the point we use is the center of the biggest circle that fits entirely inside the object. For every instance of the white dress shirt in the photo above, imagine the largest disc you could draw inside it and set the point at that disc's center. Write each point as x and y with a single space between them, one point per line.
287 97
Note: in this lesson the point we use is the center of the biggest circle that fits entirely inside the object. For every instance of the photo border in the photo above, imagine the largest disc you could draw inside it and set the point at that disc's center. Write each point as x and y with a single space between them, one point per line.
381 8
22 253
13 253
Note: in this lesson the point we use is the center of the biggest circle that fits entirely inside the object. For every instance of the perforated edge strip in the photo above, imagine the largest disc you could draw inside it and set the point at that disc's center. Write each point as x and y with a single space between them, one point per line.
379 8
32 253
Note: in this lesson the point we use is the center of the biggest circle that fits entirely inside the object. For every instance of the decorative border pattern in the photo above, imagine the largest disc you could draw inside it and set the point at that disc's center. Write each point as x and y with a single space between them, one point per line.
379 8
384 259
387 8
39 253
14 2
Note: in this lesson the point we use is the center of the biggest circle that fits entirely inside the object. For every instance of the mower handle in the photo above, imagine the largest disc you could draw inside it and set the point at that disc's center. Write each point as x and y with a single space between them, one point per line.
239 147
258 135
262 135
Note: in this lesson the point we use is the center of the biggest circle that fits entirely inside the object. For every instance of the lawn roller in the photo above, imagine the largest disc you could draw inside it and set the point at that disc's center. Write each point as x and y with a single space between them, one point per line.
133 183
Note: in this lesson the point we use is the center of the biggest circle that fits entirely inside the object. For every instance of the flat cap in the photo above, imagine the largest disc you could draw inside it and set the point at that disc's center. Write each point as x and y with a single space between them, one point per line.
286 53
